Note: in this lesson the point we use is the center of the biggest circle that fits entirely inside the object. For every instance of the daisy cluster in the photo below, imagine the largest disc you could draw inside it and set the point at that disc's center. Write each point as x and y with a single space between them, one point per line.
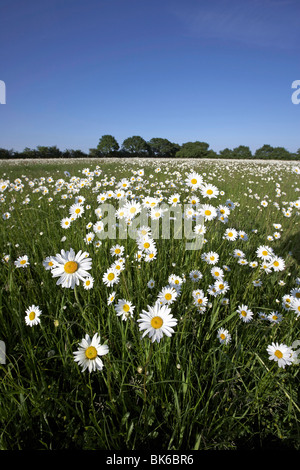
129 196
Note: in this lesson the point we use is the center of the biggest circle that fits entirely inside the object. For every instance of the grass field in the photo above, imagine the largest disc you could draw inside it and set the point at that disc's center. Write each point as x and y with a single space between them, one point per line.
199 387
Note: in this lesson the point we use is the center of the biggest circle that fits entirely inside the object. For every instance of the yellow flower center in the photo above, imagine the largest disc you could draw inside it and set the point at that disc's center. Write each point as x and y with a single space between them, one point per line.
77 211
87 283
298 295
207 212
222 336
126 308
278 354
221 286
71 267
217 273
156 322
194 181
91 352
230 234
168 296
32 316
132 210
146 245
243 313
199 301
276 263
265 253
209 191
23 261
111 276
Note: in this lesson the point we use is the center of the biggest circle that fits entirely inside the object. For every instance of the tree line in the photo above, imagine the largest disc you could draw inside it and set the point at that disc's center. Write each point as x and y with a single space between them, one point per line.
158 147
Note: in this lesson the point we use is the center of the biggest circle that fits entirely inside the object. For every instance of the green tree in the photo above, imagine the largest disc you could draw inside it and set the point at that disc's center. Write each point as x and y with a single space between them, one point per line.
280 153
7 154
272 153
70 153
194 150
242 152
108 145
95 153
264 152
48 152
163 147
226 153
136 146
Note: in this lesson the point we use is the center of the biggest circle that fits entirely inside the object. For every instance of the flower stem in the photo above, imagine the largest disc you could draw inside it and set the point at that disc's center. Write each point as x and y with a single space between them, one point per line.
146 368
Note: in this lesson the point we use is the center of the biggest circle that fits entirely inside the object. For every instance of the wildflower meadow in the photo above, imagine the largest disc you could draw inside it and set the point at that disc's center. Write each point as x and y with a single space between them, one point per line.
149 305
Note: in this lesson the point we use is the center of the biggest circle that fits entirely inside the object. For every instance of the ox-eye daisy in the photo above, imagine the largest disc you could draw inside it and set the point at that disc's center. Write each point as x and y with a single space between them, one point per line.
124 308
280 353
230 234
70 267
224 336
76 210
295 306
274 317
88 283
48 263
194 180
245 313
117 250
156 322
209 190
88 353
22 262
167 295
110 277
33 315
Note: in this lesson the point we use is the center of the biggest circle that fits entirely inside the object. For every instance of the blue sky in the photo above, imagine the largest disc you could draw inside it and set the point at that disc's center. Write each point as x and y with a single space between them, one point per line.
216 71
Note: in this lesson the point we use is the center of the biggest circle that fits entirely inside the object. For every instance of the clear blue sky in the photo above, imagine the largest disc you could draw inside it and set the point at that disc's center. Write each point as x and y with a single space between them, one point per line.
216 71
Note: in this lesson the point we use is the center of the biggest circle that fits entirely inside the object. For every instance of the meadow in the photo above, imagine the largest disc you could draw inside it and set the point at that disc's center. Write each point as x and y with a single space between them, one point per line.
122 343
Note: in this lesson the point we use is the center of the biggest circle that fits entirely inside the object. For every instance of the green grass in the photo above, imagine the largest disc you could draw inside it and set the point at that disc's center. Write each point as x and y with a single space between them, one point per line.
187 392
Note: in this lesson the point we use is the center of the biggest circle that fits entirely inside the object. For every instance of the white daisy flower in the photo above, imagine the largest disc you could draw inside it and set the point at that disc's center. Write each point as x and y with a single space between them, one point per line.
71 268
245 313
88 353
65 222
22 262
33 315
88 283
280 353
117 250
274 317
124 308
48 263
76 210
110 277
156 322
224 336
167 295
230 234
194 180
